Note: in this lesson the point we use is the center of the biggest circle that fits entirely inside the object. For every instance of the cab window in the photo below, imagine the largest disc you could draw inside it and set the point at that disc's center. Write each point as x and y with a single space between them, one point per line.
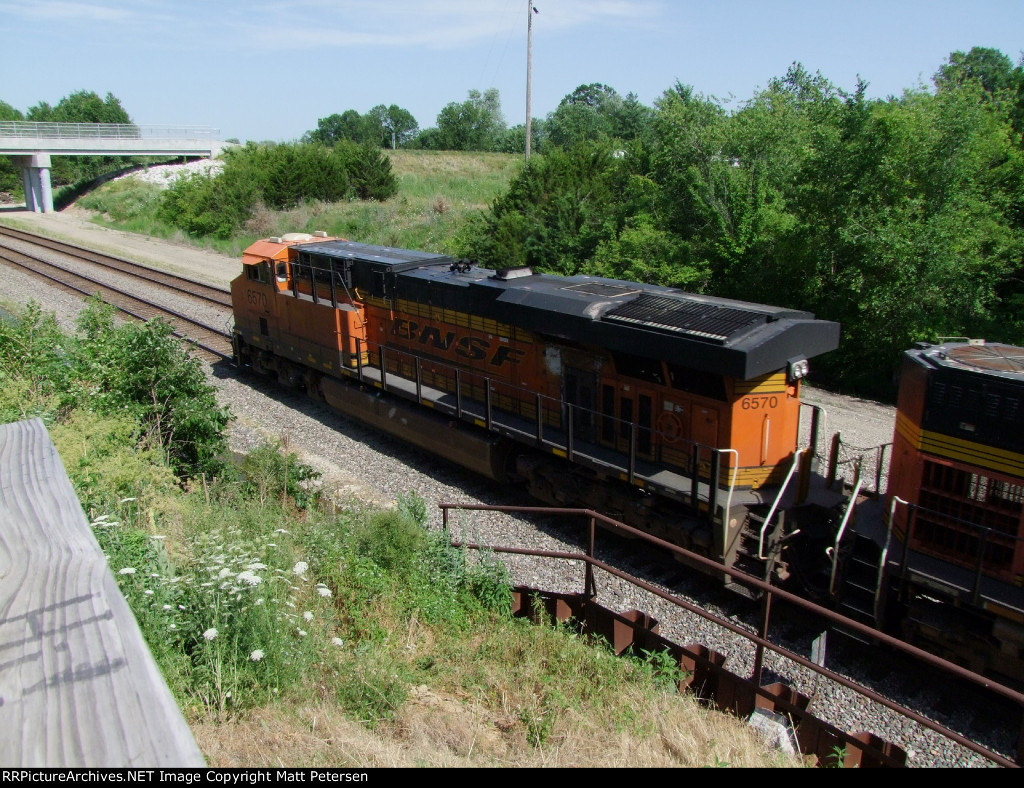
259 272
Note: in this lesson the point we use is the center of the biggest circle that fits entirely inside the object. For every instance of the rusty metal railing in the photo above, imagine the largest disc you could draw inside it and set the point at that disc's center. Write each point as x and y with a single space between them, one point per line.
760 641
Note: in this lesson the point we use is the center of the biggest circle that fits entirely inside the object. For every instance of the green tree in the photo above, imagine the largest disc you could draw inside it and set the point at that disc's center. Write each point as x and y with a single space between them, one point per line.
990 67
370 173
586 114
10 179
397 125
475 124
556 212
7 112
349 125
82 107
692 166
288 175
597 112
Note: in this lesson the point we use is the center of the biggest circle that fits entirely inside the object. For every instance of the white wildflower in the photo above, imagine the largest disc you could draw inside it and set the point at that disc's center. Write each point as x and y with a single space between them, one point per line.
323 590
147 592
257 655
126 500
168 607
302 633
173 626
258 601
128 570
225 572
255 566
308 616
300 567
210 634
280 531
337 641
249 578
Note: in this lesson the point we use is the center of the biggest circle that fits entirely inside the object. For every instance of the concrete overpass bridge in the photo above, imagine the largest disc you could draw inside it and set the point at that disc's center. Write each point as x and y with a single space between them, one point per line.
30 146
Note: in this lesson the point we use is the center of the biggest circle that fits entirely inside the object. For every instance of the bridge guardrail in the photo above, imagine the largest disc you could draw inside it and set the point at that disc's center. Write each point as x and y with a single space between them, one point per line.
47 130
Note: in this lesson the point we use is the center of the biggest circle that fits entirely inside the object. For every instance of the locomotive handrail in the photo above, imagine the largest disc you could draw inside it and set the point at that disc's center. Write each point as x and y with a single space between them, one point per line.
842 531
778 499
885 552
728 498
879 465
983 533
818 424
568 441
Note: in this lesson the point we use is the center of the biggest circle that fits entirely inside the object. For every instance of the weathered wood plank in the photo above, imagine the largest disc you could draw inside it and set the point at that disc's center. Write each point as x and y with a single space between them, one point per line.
78 685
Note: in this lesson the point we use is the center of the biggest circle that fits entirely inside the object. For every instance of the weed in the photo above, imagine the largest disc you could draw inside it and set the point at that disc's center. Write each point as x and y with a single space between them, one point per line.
836 759
371 688
665 670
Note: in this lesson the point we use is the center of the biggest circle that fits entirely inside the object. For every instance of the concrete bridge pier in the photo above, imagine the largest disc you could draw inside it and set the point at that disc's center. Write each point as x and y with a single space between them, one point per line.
35 177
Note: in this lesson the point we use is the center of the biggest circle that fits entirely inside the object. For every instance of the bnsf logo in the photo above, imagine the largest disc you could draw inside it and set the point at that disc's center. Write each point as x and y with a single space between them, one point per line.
472 348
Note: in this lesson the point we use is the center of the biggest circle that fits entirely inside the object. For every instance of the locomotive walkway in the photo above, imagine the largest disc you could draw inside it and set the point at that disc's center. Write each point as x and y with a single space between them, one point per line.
32 144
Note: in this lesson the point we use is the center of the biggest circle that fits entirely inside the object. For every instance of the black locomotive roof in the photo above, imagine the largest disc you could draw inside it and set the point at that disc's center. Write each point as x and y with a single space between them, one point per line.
389 256
735 338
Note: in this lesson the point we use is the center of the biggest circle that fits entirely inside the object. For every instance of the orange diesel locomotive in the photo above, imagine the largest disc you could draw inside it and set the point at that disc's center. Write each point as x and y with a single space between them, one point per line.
674 412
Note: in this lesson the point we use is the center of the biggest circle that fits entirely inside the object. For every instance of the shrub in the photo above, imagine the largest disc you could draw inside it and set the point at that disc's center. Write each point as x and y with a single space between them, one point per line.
391 539
144 370
209 205
370 171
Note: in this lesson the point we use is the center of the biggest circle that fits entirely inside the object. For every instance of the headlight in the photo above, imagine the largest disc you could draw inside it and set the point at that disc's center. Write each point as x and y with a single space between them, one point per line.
797 368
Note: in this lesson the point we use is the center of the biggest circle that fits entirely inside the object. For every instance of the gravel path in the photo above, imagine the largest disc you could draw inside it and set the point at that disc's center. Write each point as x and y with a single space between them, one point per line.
357 461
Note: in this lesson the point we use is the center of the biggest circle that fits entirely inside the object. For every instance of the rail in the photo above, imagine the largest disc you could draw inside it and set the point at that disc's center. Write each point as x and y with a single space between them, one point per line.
760 642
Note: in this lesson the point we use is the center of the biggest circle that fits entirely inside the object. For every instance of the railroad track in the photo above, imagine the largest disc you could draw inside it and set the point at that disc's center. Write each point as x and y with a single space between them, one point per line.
135 290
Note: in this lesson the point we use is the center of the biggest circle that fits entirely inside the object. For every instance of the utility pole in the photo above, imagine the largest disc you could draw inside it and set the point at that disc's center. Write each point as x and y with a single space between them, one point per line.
529 65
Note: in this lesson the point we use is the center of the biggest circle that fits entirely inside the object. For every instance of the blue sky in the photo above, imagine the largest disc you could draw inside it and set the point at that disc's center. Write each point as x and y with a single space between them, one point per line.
268 70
